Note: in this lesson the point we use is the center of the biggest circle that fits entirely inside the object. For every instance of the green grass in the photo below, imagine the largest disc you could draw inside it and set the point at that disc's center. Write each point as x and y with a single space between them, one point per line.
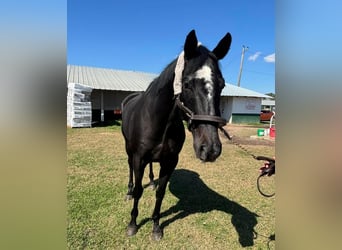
206 206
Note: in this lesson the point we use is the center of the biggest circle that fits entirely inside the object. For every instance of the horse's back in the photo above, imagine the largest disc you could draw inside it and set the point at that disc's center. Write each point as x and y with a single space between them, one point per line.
129 98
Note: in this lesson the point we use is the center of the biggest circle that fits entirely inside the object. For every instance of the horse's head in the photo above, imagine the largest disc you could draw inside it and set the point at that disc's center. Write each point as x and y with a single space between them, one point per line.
202 83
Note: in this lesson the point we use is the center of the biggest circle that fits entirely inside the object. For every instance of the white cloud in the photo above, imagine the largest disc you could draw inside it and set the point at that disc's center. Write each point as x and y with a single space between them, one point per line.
270 58
254 57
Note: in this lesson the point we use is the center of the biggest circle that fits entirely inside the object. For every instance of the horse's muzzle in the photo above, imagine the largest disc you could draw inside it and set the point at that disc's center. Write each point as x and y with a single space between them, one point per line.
209 153
207 144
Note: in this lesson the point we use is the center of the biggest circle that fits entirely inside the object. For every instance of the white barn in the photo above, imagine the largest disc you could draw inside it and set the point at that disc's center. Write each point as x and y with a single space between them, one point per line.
95 95
241 105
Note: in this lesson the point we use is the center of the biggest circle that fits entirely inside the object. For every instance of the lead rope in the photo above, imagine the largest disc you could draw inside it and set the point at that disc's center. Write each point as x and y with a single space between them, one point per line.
268 169
236 143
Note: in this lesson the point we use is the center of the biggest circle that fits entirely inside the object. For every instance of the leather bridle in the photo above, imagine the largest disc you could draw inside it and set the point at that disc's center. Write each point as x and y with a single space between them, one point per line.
202 118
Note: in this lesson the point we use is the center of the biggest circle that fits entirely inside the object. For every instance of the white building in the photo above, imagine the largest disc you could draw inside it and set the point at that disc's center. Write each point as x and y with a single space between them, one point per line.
95 95
240 105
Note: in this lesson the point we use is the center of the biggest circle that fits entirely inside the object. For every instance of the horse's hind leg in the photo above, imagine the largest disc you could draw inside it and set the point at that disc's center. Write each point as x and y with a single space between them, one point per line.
166 170
151 176
138 167
129 195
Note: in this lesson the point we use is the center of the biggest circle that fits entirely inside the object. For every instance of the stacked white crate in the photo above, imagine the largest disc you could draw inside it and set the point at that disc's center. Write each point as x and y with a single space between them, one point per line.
78 106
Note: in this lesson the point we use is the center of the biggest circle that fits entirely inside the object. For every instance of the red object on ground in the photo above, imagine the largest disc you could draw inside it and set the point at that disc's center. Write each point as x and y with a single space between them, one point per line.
272 132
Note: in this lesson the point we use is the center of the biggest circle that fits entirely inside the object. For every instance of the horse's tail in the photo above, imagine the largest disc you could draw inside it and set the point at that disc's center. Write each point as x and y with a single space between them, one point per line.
127 99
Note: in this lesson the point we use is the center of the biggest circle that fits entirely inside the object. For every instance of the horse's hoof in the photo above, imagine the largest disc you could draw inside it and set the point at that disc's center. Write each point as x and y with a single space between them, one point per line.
132 230
128 197
157 234
152 186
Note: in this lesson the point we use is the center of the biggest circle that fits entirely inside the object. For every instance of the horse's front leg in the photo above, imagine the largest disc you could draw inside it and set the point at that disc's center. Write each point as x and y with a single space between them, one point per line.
166 170
138 168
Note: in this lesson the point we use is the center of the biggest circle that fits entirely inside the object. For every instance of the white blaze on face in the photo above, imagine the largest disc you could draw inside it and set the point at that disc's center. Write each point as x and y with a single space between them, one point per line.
206 73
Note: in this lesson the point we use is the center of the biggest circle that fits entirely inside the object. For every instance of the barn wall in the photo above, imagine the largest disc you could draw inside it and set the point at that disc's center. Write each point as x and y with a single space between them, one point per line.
241 109
247 105
226 106
245 118
111 101
233 109
246 110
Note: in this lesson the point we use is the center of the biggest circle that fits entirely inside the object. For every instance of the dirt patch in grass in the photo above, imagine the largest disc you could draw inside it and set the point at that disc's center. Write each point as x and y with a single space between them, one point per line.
247 135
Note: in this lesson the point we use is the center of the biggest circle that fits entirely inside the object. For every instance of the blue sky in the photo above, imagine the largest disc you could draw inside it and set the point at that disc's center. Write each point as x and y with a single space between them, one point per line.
147 35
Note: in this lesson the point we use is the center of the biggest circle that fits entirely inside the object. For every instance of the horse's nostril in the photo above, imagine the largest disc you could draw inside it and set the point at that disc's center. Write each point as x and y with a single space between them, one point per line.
217 148
203 152
203 147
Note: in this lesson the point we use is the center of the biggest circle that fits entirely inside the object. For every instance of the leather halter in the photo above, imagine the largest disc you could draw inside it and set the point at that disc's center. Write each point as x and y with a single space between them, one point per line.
202 118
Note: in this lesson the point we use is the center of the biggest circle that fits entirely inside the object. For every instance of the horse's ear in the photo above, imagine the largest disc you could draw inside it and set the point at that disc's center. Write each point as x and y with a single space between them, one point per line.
190 46
223 46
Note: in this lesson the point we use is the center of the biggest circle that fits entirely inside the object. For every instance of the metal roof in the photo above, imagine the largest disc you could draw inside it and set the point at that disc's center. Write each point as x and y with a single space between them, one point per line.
124 80
232 90
109 79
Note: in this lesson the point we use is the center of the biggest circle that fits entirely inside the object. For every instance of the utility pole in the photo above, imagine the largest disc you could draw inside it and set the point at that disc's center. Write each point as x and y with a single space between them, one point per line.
244 49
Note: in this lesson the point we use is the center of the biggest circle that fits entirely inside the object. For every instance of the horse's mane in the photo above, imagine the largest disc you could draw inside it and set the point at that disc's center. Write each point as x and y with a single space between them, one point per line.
166 77
163 80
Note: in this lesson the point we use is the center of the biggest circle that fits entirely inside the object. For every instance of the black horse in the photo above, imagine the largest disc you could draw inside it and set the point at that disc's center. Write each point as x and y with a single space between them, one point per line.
188 89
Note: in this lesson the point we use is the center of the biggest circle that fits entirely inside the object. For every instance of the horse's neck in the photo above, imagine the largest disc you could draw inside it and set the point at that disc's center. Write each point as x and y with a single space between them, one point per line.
160 101
161 93
161 107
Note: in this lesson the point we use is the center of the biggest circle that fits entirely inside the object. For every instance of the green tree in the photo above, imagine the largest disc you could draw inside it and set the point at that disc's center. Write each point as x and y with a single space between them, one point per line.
271 95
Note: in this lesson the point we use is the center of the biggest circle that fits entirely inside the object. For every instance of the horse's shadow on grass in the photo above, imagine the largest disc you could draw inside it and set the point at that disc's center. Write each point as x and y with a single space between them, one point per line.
196 197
